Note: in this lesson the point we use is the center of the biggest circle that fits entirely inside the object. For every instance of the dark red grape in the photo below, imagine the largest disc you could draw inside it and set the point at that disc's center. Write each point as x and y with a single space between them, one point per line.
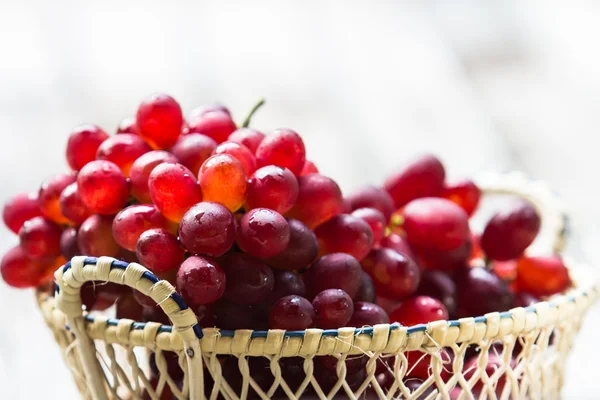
49 196
333 308
241 316
272 187
464 193
394 274
193 149
122 150
131 222
40 239
300 252
423 177
263 233
524 299
205 315
353 363
72 206
95 237
292 313
19 209
440 286
173 190
159 121
419 310
249 137
479 292
319 199
445 260
366 292
240 153
141 169
372 197
376 221
200 280
128 308
283 148
494 363
334 271
68 243
20 271
542 276
367 314
249 279
286 283
217 125
96 295
83 144
207 228
128 125
103 187
159 250
345 234
510 232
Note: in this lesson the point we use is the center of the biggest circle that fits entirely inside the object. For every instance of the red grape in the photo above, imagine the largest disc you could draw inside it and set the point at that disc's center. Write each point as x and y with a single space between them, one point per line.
333 308
240 153
241 316
249 137
505 270
283 148
19 209
353 363
376 221
200 280
440 286
309 168
388 305
205 315
510 232
123 150
127 307
436 224
524 299
272 187
292 313
327 380
423 177
367 314
207 228
495 362
301 250
216 124
449 260
334 271
419 310
223 180
479 292
201 110
249 280
72 206
131 222
49 195
95 237
173 190
263 233
159 121
286 283
100 295
193 149
345 234
464 193
542 276
141 169
147 301
319 199
372 197
83 144
128 125
103 187
398 243
68 243
40 239
476 251
20 271
366 292
159 250
394 274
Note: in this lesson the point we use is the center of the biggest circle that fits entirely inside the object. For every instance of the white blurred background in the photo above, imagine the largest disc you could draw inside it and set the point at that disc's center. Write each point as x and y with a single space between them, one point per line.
483 84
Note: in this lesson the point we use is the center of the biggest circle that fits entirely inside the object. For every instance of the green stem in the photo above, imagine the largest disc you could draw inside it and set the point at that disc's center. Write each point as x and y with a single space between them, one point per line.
246 122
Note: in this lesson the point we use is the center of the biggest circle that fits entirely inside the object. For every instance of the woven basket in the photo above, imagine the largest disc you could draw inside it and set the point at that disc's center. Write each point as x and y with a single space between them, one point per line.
109 358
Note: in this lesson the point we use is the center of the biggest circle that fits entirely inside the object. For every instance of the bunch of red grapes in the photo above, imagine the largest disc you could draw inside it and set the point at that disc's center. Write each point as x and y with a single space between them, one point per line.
254 237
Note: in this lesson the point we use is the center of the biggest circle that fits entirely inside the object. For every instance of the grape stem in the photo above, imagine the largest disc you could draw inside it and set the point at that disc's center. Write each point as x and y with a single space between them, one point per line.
246 122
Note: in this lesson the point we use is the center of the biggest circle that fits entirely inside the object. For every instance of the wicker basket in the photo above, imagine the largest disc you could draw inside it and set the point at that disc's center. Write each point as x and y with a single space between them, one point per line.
109 358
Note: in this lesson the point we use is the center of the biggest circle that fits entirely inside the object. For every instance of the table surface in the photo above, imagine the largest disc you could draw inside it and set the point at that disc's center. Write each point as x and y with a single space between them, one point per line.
485 85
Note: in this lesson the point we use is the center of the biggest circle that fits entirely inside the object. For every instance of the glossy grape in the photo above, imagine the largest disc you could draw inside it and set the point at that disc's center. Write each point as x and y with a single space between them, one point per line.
333 308
68 243
173 190
128 125
95 237
272 187
345 233
241 316
319 199
193 149
123 150
464 193
445 260
283 148
249 280
292 313
240 153
40 239
366 292
223 180
141 169
159 250
510 231
309 168
422 177
334 271
398 243
367 314
419 310
440 286
263 233
372 197
20 271
103 187
19 209
83 144
376 221
49 195
249 137
207 228
131 222
542 276
216 124
286 283
301 250
201 110
394 274
200 280
72 206
479 292
159 121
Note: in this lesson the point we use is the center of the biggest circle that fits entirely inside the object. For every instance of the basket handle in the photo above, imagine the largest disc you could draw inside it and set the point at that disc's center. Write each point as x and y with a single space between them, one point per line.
555 221
71 277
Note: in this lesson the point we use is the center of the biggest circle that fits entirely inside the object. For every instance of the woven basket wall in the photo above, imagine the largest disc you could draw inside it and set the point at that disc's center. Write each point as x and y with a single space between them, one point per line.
109 359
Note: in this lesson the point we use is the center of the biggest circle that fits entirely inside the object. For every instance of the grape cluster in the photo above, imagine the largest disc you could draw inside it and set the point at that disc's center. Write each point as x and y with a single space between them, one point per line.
254 237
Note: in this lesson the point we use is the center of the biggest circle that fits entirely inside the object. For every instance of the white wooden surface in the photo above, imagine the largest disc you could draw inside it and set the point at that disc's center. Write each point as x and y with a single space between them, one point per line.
486 85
